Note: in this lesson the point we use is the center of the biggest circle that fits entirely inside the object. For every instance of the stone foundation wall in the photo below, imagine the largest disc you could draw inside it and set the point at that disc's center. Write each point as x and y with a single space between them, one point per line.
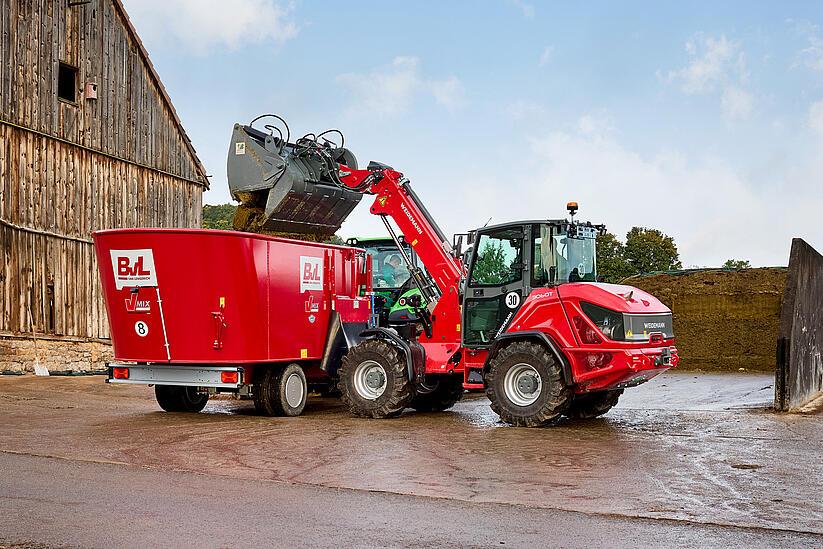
59 355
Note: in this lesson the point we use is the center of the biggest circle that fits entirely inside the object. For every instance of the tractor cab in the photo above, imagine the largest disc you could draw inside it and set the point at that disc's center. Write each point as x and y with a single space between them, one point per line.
391 279
509 260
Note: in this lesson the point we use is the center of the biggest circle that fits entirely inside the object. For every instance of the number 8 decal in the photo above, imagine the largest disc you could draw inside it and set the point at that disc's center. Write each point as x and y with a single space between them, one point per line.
141 328
512 300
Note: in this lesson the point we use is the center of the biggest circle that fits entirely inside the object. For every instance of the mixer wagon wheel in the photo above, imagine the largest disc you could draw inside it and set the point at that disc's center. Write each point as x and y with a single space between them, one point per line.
373 380
281 391
525 385
591 405
444 394
174 398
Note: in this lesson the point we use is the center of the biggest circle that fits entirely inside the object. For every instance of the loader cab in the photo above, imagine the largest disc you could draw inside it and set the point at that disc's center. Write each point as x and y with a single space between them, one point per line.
509 260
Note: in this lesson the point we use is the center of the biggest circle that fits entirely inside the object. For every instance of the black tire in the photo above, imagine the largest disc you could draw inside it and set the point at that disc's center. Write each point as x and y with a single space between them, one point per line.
398 390
553 398
592 405
281 391
446 393
175 398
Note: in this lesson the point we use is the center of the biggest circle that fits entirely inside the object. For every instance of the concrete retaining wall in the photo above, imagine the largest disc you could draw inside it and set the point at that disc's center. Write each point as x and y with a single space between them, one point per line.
799 374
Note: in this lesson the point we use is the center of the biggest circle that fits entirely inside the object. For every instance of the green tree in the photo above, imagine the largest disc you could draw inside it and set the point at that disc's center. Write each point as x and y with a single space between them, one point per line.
490 266
218 216
611 261
649 250
737 264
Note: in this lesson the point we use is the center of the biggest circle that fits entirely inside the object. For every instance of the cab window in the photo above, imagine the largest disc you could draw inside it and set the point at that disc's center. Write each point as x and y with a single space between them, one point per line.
499 259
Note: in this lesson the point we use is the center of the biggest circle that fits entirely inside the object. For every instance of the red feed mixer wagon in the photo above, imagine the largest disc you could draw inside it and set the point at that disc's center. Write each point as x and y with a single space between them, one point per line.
196 312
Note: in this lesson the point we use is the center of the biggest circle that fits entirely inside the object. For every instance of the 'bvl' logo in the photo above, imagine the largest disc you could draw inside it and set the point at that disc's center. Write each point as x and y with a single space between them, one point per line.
133 268
311 273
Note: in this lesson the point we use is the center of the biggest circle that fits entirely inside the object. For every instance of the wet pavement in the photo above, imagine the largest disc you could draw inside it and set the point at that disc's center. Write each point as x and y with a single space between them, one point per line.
682 451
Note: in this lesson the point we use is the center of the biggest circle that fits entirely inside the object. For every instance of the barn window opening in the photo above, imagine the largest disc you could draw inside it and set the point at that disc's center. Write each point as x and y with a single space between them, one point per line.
67 83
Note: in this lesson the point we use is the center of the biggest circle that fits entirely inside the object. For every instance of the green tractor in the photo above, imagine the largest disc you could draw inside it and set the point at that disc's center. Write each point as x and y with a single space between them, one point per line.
391 280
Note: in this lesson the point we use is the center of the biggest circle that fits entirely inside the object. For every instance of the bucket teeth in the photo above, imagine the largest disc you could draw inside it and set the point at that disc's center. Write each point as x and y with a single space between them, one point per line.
281 192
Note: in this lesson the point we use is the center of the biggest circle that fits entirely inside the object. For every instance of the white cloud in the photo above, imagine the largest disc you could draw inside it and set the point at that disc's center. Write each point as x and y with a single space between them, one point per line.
200 25
737 103
392 90
816 117
713 210
523 109
546 56
526 9
812 55
716 64
712 61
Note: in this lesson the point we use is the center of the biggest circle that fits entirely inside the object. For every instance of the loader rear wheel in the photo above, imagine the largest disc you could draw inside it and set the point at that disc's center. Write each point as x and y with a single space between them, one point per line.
525 385
373 380
445 393
591 405
175 398
281 391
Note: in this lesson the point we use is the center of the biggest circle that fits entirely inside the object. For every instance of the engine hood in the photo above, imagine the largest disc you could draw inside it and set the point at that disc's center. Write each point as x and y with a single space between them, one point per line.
617 297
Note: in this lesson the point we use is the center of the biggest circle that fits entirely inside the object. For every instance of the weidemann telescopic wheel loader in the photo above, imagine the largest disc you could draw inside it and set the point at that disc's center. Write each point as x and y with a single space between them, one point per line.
523 307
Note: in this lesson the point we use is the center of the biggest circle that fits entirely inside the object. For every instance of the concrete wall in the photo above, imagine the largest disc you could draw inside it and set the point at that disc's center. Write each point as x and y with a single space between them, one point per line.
723 320
799 374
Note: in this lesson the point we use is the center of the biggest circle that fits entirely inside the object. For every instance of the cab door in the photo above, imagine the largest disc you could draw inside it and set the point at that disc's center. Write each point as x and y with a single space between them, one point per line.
496 285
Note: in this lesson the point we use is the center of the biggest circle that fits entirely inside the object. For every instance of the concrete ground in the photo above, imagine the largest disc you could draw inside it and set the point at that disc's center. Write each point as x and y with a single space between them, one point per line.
684 460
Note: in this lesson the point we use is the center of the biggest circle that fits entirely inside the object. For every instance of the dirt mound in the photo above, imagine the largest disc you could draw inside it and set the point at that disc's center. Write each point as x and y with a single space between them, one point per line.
723 320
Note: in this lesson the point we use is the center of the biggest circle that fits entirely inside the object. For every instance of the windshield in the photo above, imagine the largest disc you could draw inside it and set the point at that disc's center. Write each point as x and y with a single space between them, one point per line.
388 268
573 257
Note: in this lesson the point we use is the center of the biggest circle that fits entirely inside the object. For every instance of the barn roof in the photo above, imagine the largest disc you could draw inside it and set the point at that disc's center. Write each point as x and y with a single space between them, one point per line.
118 5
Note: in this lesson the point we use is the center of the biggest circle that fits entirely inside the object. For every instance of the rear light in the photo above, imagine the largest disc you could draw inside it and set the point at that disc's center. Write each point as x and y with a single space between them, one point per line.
588 335
120 373
610 323
228 377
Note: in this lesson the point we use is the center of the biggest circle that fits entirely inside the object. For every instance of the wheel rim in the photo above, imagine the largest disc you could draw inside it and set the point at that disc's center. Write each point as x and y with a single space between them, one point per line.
522 384
294 390
370 379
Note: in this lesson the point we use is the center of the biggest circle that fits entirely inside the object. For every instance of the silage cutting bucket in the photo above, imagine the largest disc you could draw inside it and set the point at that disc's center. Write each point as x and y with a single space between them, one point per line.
282 189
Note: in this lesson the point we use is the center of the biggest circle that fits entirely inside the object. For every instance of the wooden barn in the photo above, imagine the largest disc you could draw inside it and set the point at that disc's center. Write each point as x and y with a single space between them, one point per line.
89 139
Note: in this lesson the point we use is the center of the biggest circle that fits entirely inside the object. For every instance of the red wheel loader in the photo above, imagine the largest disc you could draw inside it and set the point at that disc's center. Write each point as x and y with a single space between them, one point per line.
522 307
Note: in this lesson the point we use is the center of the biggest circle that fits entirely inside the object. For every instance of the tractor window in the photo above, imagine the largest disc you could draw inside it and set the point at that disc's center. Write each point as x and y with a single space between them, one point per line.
499 258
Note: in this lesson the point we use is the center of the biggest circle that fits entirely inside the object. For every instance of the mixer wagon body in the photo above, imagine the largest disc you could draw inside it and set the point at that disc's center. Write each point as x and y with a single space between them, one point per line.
186 305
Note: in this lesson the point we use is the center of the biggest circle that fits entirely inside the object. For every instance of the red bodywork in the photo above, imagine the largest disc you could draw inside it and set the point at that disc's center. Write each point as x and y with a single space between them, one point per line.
191 296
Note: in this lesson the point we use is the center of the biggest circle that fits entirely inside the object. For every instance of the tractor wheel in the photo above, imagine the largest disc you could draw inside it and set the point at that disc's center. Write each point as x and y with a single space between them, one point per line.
591 405
444 394
525 385
281 391
374 381
175 398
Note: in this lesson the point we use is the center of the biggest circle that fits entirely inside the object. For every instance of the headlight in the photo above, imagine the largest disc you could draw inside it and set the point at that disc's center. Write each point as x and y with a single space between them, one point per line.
610 323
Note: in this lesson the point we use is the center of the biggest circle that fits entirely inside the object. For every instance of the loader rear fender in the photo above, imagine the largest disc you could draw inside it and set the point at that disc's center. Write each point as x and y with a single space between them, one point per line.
412 351
533 336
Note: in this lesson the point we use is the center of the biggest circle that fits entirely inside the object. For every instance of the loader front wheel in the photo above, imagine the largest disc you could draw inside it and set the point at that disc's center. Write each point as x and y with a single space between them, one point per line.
175 398
592 405
526 387
373 380
445 393
281 391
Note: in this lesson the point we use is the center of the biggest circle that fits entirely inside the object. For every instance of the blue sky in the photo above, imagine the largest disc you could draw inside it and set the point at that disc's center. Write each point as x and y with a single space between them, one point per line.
705 121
